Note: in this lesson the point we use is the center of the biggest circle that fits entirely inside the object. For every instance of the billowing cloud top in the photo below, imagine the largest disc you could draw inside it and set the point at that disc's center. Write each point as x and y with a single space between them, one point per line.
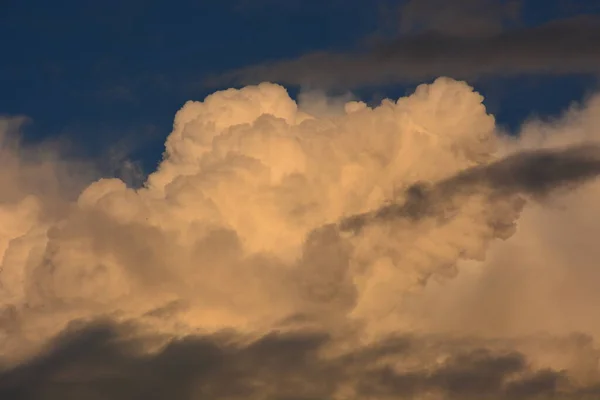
287 251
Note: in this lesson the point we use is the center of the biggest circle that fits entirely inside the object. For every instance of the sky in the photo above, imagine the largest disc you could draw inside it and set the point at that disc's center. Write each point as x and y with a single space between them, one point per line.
300 199
95 72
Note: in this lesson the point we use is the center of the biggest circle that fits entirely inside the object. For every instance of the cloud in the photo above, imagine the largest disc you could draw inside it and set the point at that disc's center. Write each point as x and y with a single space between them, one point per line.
462 18
226 274
533 172
103 360
563 46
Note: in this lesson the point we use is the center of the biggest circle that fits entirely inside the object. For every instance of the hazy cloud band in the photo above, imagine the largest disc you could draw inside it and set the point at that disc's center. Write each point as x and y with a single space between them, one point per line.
568 46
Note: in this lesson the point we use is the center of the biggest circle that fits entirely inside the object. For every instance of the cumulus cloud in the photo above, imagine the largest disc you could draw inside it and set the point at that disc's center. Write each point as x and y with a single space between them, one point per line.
320 249
562 46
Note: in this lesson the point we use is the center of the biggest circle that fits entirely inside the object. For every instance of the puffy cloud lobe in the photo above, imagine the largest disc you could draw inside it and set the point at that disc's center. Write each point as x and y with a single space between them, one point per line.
242 227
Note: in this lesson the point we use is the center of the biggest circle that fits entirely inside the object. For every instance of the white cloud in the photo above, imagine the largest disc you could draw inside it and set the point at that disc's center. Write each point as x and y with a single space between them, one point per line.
236 228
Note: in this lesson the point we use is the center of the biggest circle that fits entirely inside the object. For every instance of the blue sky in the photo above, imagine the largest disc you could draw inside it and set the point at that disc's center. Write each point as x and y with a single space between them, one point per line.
98 73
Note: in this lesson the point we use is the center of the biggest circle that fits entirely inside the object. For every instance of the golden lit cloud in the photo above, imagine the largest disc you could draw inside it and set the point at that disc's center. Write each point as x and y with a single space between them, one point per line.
314 249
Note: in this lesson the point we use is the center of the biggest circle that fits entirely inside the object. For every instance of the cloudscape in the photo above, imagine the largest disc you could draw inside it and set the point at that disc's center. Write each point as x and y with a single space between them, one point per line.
355 201
405 250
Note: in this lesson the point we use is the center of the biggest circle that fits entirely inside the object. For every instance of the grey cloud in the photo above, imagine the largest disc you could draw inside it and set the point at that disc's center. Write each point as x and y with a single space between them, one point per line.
98 361
102 360
461 17
467 375
326 280
565 46
533 173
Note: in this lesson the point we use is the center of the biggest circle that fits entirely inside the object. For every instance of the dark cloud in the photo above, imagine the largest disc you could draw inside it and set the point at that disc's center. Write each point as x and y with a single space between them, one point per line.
99 362
566 46
533 173
103 361
460 17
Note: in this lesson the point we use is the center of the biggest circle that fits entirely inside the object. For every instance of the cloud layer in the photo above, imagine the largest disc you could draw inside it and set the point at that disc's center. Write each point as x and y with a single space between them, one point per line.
562 46
325 250
97 362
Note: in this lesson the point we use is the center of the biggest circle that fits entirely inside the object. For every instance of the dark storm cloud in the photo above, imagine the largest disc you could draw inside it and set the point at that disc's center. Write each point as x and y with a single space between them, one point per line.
97 362
565 46
100 362
533 173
